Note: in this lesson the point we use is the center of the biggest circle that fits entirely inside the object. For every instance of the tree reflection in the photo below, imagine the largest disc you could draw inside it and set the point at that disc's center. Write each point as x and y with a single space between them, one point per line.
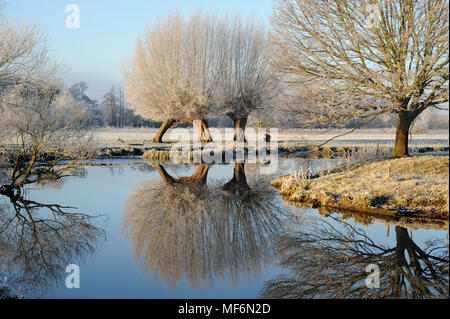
330 260
183 228
249 222
38 241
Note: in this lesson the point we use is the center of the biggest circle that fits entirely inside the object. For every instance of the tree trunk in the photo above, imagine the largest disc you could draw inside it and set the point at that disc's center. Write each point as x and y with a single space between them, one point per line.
200 125
239 173
401 140
167 124
239 125
202 129
164 175
10 191
200 176
238 185
416 257
205 131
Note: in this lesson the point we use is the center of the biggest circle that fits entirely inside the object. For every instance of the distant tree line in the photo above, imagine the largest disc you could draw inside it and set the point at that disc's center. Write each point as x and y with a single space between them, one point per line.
113 110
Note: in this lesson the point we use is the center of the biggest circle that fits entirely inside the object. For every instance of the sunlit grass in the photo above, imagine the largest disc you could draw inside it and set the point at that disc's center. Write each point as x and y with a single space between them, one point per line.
407 185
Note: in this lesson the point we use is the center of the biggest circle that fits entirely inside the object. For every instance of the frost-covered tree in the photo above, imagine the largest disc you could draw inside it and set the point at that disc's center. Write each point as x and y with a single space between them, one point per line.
173 72
329 260
110 107
24 53
42 134
78 92
41 125
114 107
247 82
361 58
39 240
184 229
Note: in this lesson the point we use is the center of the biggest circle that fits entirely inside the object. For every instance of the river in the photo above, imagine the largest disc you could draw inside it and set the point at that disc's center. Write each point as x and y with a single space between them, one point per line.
140 229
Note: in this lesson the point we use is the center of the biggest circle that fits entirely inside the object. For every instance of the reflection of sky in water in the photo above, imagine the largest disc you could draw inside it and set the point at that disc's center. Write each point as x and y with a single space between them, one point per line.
112 272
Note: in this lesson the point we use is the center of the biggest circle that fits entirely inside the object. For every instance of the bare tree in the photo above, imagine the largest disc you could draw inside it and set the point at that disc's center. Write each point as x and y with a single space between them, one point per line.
42 134
247 82
359 59
24 53
172 74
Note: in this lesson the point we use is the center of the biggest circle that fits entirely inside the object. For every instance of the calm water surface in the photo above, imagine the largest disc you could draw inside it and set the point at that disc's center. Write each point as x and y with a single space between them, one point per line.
144 230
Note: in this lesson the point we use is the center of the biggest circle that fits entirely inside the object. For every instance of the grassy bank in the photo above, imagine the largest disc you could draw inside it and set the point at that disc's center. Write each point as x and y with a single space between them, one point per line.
313 152
409 186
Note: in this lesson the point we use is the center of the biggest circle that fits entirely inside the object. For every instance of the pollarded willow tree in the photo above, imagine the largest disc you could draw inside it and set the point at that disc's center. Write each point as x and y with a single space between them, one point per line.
174 71
247 81
359 58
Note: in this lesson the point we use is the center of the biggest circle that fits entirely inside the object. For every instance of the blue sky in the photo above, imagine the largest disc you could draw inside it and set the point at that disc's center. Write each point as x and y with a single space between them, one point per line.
108 30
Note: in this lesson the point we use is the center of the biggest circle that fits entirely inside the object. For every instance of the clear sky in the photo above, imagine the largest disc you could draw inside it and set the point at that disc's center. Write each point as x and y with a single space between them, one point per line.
108 31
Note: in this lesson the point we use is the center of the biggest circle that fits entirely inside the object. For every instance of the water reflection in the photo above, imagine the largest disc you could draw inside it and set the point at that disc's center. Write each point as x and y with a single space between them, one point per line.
182 228
329 260
200 230
38 241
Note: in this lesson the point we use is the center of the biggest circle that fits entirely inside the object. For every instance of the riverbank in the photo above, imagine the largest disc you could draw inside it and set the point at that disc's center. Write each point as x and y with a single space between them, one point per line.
313 152
110 142
287 138
415 186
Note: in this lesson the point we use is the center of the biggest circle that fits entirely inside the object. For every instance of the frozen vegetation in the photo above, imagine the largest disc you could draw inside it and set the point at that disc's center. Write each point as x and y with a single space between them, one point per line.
292 137
407 186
